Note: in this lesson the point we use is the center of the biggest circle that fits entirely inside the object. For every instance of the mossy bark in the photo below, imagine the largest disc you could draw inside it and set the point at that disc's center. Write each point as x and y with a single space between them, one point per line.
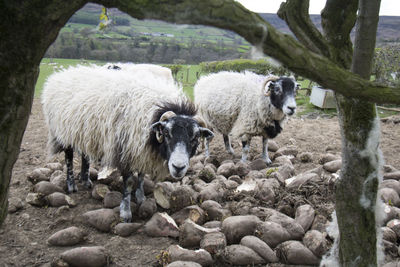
356 189
27 29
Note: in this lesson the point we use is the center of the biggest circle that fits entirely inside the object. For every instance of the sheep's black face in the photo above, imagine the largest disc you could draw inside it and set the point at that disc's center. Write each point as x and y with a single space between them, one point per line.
179 137
283 94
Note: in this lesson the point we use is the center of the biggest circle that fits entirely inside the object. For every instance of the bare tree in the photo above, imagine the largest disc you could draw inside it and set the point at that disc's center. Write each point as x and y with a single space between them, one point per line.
28 28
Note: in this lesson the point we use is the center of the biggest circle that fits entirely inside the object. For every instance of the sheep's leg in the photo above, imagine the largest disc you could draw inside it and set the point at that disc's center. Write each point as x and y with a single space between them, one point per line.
125 206
207 145
139 194
85 179
264 155
245 149
69 156
228 145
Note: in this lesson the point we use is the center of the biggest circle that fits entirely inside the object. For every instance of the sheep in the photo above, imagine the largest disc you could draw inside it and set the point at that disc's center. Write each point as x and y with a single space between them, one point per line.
133 123
245 105
137 69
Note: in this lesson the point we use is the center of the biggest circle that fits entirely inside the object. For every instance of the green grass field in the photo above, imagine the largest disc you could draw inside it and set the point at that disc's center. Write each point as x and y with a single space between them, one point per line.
49 66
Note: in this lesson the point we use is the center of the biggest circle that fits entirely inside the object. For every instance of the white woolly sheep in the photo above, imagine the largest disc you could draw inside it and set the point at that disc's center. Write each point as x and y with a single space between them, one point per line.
245 105
137 69
134 123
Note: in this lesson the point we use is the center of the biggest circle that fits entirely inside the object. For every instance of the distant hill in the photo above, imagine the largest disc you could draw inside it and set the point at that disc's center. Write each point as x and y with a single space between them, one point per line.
129 39
388 27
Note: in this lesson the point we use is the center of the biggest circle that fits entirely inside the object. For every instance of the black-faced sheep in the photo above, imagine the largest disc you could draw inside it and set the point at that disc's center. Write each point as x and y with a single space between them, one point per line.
245 105
134 123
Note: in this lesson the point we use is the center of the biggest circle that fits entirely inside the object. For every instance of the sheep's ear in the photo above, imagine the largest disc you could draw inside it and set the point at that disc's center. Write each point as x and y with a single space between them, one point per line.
206 133
268 87
158 129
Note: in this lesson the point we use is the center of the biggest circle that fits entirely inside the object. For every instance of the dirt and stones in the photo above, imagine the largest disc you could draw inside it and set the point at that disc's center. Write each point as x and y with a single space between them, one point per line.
24 234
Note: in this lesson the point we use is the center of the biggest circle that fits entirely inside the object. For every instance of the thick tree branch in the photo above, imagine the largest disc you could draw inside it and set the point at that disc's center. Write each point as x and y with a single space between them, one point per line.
338 19
231 15
295 13
367 25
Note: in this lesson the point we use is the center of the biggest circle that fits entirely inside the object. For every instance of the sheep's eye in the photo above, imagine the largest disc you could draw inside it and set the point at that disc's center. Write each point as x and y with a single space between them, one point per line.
166 133
195 138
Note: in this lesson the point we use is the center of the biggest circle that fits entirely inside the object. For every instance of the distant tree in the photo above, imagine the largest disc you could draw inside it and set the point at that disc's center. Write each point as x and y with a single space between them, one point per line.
386 66
85 32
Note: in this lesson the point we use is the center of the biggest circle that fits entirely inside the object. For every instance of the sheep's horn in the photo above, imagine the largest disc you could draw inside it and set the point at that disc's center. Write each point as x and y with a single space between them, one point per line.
271 78
167 115
200 121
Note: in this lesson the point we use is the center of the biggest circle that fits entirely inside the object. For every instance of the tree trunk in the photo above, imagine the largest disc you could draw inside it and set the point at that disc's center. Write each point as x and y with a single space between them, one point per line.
26 31
15 102
356 190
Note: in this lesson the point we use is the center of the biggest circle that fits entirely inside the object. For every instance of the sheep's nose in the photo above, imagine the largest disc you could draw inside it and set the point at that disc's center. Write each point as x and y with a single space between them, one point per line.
292 110
178 168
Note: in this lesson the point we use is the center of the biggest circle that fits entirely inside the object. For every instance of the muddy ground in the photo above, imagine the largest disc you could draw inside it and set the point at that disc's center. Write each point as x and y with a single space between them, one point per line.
23 234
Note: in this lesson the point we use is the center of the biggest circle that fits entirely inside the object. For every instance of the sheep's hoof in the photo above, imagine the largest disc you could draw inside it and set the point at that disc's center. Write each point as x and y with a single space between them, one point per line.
88 184
125 211
267 161
140 197
72 188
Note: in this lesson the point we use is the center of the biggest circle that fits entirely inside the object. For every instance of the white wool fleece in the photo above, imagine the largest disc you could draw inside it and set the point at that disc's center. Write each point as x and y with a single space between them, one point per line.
232 102
102 112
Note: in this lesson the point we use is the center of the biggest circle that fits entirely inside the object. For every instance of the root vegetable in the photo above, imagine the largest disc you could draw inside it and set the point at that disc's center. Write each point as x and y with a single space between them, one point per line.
86 256
333 166
191 234
301 179
183 264
177 253
241 255
236 227
112 199
126 229
54 166
304 216
107 175
272 233
101 219
213 224
99 191
316 242
294 252
390 183
39 174
194 213
147 208
226 169
36 199
294 229
214 210
67 237
46 188
260 247
58 199
161 224
14 204
162 194
392 175
182 196
213 242
207 174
